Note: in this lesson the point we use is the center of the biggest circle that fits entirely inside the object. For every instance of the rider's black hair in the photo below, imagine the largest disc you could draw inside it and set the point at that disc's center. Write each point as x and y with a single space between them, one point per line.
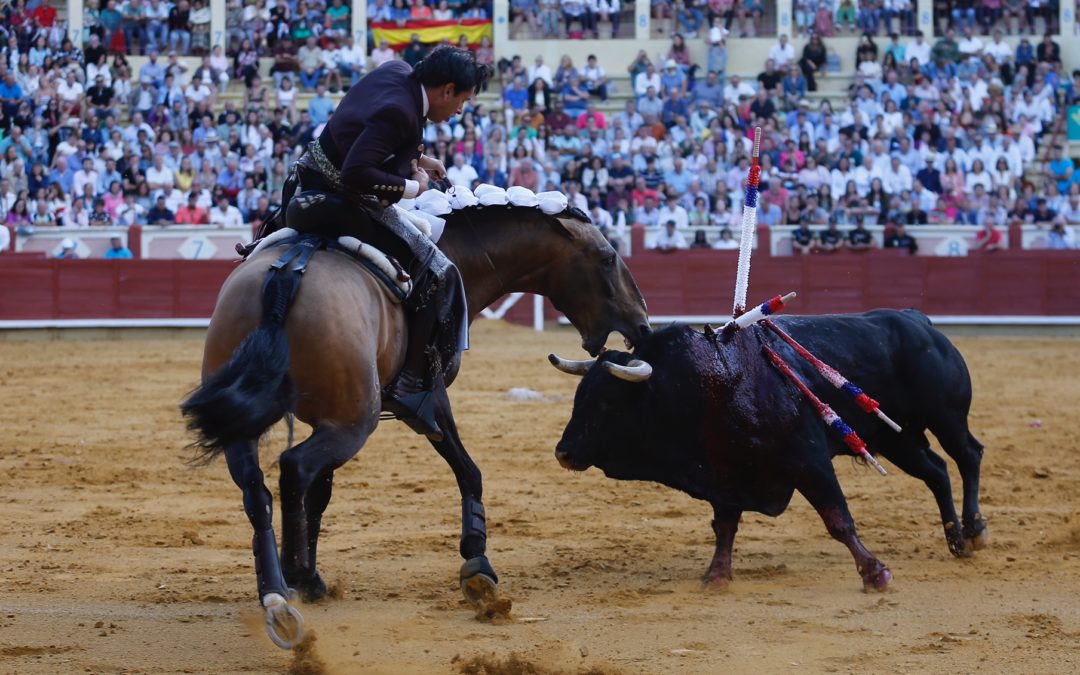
448 64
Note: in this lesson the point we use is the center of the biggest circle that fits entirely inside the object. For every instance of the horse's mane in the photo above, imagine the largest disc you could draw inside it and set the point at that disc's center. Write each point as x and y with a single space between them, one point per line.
570 212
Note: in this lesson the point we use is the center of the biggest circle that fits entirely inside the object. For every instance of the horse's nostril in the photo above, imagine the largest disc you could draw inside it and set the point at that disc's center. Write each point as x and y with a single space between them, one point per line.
644 329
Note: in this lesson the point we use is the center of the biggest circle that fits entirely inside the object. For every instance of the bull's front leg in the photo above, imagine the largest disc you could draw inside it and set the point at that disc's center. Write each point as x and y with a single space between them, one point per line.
725 524
478 580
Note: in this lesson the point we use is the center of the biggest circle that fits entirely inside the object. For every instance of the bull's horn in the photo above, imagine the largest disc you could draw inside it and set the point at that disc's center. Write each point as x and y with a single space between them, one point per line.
635 371
571 367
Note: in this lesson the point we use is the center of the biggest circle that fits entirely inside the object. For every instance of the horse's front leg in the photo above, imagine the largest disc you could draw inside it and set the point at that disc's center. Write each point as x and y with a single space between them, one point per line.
478 580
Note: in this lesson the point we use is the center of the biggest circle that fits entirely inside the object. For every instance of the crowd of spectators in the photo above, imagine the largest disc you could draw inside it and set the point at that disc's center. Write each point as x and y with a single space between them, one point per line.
926 134
941 133
570 19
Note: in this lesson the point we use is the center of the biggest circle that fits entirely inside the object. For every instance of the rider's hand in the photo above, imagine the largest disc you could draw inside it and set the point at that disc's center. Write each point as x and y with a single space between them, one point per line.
435 168
420 176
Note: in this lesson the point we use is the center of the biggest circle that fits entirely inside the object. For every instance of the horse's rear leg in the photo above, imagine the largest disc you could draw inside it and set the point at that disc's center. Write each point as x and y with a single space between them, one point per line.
478 580
283 623
307 473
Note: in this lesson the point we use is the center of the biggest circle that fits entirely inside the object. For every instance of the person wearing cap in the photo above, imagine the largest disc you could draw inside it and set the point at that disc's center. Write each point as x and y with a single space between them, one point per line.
68 250
673 78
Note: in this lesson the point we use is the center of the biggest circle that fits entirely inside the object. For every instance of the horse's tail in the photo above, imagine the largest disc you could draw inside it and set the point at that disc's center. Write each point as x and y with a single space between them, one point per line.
253 390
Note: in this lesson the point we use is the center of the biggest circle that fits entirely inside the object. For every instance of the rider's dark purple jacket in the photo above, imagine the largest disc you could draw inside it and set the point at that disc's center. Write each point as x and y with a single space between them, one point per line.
377 131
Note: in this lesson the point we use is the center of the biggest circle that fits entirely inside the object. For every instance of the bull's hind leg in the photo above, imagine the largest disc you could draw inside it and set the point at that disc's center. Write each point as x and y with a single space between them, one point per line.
283 623
967 452
912 455
477 578
307 474
725 524
822 490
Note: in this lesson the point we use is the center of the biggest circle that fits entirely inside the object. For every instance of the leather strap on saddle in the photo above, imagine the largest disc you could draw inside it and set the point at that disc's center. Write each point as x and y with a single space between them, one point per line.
402 275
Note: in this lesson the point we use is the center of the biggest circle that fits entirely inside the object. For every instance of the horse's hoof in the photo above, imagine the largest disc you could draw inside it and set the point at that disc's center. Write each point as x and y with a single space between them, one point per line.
479 583
955 539
310 589
878 581
284 625
977 542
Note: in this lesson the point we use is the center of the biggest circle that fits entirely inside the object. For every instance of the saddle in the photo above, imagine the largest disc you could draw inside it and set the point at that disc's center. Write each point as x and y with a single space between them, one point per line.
301 246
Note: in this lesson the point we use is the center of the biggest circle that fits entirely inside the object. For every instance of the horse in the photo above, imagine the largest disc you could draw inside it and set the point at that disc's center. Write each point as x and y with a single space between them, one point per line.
327 359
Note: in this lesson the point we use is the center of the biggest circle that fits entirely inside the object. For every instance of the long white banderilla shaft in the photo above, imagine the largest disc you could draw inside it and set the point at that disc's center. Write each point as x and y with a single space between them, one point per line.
749 225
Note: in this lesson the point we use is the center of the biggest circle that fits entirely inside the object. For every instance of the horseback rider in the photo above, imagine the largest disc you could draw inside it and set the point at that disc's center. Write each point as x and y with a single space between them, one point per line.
369 156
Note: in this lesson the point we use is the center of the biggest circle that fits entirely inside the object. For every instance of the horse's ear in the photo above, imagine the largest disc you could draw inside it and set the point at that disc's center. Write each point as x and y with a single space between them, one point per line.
559 226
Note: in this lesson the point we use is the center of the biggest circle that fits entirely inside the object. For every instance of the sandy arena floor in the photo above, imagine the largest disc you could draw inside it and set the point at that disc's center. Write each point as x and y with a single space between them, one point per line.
116 557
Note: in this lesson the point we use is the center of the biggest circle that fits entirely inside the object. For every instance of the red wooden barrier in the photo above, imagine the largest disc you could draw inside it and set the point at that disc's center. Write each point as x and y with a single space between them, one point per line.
682 283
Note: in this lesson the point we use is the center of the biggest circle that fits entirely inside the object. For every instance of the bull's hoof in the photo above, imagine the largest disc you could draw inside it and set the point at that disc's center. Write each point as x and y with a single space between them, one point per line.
480 585
877 581
715 584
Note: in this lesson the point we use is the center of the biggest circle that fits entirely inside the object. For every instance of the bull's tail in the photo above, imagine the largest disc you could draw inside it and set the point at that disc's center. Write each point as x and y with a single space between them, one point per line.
253 390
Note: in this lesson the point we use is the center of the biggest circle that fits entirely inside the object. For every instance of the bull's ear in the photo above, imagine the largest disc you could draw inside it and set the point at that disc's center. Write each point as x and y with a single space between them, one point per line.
635 371
569 367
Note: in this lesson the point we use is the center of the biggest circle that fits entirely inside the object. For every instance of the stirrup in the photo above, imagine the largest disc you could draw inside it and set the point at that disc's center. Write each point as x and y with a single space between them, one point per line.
417 411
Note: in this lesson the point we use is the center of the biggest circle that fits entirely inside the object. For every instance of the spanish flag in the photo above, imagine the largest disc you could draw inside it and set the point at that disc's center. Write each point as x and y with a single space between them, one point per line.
431 31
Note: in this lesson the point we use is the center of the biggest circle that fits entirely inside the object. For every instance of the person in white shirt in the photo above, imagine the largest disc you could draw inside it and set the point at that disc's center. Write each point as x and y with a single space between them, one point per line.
70 91
159 176
350 59
669 239
736 88
197 91
919 50
897 177
225 214
461 173
5 239
998 49
382 54
540 70
649 78
673 212
782 54
85 176
970 45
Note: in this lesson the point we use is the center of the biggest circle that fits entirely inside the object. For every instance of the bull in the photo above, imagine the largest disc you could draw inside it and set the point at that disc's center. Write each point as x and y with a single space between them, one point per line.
707 414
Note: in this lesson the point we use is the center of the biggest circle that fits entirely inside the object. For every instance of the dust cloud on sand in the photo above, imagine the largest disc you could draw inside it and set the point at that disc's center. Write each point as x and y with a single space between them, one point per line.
117 557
